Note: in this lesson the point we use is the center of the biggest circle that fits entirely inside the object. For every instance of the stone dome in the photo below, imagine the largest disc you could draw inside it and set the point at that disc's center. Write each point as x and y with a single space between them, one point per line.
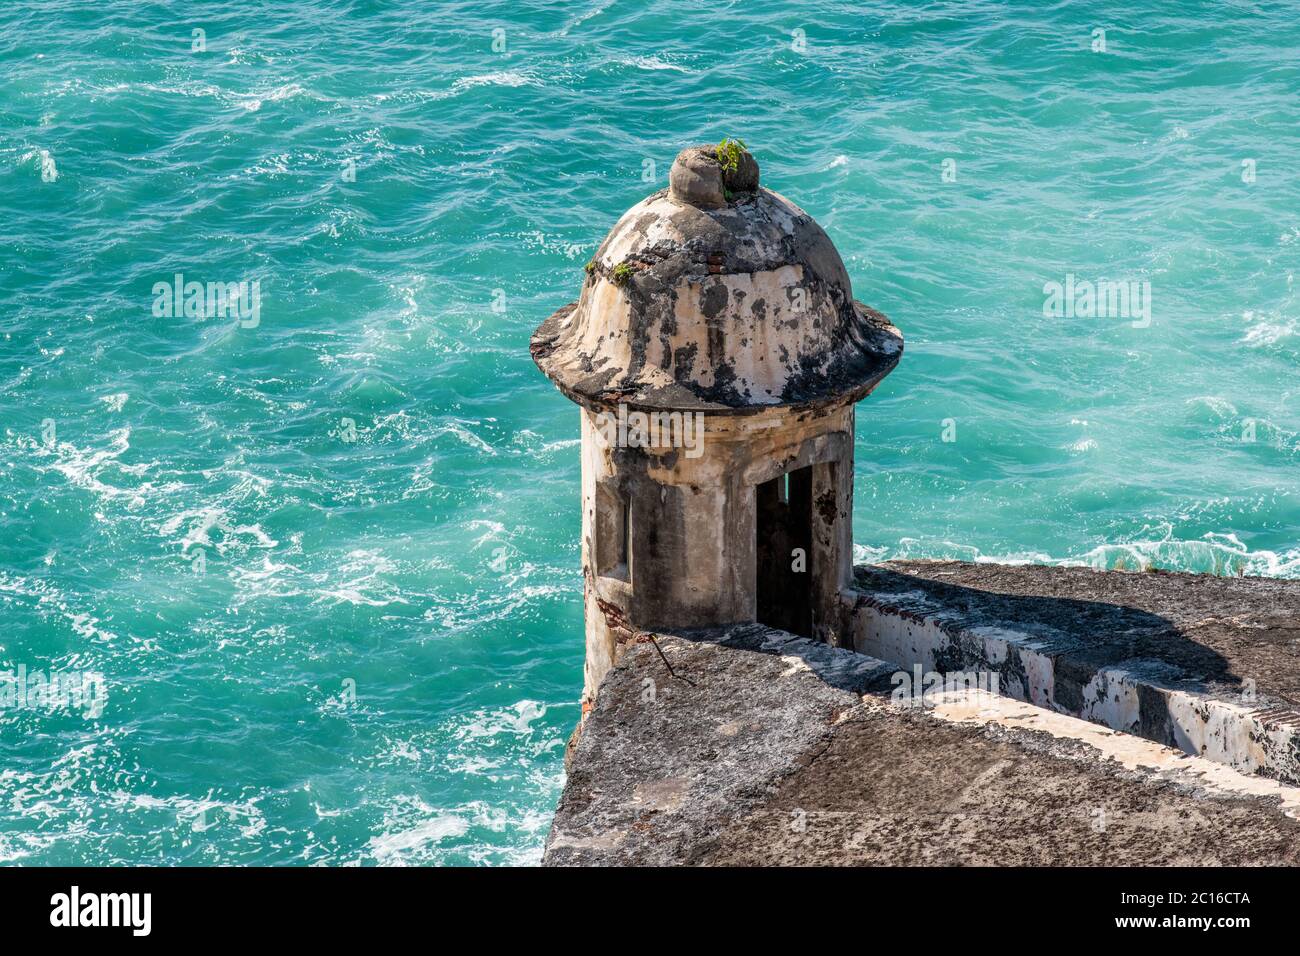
717 295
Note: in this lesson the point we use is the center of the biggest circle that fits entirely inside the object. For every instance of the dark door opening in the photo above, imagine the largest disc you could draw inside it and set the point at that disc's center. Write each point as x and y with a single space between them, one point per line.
784 552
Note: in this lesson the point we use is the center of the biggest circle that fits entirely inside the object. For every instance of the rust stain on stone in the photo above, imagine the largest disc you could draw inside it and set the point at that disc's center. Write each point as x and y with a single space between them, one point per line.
616 620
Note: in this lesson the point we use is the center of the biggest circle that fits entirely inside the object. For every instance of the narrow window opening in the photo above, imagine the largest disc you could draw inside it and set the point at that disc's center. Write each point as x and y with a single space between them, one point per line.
613 533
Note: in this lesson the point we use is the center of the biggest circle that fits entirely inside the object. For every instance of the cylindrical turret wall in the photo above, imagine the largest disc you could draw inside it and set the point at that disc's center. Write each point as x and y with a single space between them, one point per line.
680 534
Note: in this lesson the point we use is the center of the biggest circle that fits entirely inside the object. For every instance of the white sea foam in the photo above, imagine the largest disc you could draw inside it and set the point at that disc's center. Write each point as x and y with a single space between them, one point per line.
459 430
1271 333
50 601
1220 407
412 832
198 815
652 63
595 11
531 443
264 580
507 78
251 101
517 720
1268 329
254 101
363 581
204 525
493 531
391 849
1213 553
82 467
45 164
457 614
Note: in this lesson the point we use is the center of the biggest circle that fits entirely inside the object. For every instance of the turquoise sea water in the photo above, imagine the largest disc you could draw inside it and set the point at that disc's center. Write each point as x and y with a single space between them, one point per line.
374 490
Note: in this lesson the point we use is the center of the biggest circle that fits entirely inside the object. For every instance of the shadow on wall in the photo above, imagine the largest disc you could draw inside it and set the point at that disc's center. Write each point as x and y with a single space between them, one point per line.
1081 636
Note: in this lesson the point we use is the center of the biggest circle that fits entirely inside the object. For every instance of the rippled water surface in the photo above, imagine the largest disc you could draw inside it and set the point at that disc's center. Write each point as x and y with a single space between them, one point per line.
372 491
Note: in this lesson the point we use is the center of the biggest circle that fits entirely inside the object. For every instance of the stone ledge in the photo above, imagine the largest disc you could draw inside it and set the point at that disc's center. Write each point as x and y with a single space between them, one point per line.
1208 665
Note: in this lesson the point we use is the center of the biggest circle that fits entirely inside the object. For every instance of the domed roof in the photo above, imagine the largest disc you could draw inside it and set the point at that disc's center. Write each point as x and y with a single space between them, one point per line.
716 295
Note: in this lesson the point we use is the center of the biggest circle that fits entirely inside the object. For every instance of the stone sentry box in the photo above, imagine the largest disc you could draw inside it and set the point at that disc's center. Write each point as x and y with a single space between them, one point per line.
716 353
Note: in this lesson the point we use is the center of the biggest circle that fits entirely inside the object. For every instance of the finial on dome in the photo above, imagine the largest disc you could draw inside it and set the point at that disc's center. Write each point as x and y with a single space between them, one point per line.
708 177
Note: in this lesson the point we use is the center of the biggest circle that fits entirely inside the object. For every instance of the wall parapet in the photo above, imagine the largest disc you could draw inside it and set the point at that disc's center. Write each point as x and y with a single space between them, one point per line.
1202 664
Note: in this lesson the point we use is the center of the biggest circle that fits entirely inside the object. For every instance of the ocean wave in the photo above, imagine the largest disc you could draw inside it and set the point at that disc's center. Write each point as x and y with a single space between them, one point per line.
461 432
516 720
651 63
50 601
1267 331
454 614
252 100
582 18
365 574
530 443
1214 553
413 845
203 522
198 814
44 163
506 78
86 467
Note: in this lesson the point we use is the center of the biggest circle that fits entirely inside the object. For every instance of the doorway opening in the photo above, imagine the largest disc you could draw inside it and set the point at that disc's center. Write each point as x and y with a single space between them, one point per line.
783 549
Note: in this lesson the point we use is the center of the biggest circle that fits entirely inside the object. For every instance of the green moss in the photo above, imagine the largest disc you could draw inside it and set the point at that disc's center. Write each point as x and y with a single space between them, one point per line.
728 153
622 272
590 268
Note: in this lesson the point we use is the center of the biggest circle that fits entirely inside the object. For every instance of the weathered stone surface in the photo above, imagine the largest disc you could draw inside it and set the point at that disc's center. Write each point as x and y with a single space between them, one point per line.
694 524
696 178
663 762
716 295
895 788
759 760
1206 664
